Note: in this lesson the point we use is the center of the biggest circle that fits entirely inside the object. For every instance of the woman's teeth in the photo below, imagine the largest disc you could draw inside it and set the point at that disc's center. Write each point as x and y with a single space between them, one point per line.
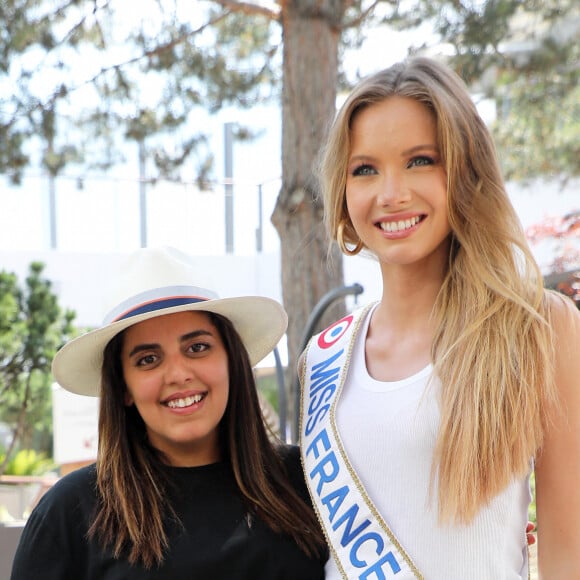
400 225
185 402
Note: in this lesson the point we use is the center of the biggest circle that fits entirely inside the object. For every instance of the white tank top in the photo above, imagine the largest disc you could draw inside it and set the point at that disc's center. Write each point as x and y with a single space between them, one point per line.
388 430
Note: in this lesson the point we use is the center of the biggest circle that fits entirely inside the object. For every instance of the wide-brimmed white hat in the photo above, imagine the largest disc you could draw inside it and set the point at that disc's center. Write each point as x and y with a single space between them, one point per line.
155 282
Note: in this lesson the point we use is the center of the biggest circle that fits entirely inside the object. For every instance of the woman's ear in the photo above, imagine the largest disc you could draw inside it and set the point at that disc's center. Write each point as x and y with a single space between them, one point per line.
128 399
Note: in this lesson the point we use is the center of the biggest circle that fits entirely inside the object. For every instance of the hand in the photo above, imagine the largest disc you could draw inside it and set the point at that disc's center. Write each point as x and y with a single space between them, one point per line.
530 529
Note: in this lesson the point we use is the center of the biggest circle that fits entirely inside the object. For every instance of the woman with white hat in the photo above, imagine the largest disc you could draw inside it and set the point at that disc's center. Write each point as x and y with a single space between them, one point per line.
187 483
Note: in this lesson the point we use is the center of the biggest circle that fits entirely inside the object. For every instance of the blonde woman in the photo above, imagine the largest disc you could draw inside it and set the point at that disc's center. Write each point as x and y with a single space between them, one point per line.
425 414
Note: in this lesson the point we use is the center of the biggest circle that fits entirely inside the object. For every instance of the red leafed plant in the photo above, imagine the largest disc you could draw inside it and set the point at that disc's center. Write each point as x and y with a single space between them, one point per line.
564 271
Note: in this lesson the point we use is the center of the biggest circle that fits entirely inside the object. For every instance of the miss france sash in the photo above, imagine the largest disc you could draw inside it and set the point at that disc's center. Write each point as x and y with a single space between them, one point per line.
362 544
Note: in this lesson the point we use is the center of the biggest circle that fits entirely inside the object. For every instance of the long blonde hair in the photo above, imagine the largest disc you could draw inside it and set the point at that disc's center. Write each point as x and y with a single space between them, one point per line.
493 347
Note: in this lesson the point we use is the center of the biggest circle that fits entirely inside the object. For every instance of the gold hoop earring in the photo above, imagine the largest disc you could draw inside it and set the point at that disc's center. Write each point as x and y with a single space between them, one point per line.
342 245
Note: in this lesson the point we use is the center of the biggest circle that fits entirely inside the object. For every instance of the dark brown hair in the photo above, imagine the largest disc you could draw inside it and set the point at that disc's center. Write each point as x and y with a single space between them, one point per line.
133 508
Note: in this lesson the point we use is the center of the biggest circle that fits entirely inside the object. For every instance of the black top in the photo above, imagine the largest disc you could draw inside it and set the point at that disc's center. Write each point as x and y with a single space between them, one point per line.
220 541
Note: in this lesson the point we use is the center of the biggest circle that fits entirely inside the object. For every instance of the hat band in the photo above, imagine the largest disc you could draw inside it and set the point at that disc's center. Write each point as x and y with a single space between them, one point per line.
157 299
159 305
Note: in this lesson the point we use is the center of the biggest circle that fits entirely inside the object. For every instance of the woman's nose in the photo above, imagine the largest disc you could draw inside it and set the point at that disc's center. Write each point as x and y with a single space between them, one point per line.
179 370
392 190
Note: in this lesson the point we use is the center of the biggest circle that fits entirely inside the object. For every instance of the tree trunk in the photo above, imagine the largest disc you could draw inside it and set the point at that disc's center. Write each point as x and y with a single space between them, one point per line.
311 32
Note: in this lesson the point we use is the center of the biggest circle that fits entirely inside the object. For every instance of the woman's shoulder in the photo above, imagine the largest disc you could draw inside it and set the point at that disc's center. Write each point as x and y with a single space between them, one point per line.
558 464
563 313
336 330
564 318
77 479
53 538
77 487
290 455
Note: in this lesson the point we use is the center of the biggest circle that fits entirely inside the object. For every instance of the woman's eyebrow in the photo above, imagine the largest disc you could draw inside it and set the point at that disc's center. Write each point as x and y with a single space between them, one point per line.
195 334
142 347
418 148
152 346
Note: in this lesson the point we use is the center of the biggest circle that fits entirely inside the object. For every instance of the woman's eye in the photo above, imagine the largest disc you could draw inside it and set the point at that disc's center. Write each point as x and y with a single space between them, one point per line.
146 360
198 347
421 161
363 170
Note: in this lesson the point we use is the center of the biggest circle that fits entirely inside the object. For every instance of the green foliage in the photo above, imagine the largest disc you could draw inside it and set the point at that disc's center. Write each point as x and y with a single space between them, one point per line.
524 55
532 508
29 29
539 117
268 387
28 462
32 328
147 78
124 78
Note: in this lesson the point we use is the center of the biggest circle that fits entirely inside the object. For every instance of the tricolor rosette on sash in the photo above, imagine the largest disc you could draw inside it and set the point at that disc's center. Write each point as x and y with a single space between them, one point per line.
361 542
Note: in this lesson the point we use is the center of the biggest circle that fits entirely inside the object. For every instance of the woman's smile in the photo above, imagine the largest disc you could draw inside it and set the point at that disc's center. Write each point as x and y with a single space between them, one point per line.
185 402
396 185
176 370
